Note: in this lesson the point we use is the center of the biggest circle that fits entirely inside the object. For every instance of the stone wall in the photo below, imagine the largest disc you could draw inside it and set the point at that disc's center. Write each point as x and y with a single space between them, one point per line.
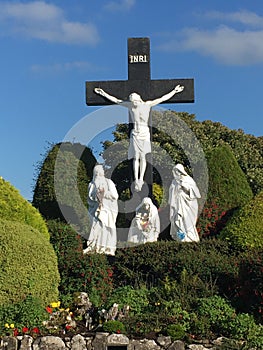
100 341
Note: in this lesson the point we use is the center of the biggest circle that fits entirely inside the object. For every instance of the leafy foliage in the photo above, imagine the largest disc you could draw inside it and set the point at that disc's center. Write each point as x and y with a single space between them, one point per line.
216 315
24 315
27 260
15 208
137 299
248 295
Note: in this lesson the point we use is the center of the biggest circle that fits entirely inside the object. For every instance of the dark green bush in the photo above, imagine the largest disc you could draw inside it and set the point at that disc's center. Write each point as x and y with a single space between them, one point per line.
211 263
245 229
113 326
62 183
28 264
176 331
248 289
228 190
15 208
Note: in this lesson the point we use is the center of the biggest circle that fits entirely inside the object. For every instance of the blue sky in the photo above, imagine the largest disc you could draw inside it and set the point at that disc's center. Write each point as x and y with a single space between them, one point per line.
50 48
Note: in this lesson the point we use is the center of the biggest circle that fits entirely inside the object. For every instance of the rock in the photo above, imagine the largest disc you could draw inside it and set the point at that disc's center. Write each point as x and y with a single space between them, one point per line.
197 347
49 343
164 341
177 345
117 339
8 343
78 343
100 341
26 343
89 341
144 344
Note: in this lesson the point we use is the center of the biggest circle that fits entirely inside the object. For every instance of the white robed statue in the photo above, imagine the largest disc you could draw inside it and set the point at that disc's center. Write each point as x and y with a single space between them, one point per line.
145 226
183 200
103 211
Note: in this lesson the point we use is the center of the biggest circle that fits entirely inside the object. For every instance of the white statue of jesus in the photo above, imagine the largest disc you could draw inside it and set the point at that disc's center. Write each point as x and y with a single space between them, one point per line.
140 143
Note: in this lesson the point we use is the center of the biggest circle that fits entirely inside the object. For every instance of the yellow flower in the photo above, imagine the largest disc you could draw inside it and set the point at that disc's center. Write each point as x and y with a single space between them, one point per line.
6 325
55 304
12 325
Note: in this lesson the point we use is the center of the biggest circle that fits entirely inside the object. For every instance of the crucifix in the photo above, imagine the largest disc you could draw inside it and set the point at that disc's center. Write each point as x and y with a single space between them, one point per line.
139 93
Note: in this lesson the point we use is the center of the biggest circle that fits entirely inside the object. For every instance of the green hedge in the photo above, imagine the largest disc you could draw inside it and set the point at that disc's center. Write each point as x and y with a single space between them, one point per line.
64 196
28 264
227 182
209 264
245 228
14 207
228 190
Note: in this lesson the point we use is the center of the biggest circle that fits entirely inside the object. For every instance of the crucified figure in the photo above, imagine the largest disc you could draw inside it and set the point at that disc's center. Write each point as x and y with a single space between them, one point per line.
140 143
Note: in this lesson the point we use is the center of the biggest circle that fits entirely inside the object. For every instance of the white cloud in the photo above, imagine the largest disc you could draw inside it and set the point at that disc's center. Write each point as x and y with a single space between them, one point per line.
40 20
62 67
228 45
121 5
244 17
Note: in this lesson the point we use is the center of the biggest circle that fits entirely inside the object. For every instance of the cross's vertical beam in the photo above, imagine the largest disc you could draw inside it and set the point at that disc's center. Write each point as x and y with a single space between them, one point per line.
139 59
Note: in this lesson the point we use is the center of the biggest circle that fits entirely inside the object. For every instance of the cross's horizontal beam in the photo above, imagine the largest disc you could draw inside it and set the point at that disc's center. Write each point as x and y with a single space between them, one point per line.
148 89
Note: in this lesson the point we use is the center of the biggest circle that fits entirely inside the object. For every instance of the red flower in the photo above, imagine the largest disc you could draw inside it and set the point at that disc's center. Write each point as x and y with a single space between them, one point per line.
25 329
68 327
36 330
15 332
118 331
49 309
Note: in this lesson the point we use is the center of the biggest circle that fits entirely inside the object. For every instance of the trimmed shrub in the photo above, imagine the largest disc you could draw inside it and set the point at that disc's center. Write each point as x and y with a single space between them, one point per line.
245 228
228 190
227 182
65 195
28 264
15 208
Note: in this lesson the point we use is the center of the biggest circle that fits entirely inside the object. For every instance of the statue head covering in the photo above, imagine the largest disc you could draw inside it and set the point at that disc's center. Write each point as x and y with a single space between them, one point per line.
148 202
178 168
98 171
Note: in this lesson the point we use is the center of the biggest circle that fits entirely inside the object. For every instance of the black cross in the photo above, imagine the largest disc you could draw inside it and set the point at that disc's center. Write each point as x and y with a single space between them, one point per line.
139 81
